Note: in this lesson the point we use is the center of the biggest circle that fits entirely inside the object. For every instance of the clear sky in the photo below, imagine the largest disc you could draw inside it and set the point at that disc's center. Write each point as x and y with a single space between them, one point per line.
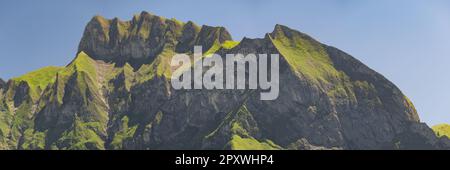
408 41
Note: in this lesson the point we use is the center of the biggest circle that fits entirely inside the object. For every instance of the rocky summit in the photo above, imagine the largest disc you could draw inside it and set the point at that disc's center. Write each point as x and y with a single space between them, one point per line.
116 94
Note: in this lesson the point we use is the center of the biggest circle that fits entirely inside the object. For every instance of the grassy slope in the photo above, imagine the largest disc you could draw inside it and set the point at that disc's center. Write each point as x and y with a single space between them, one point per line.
217 46
123 134
160 67
84 66
82 136
39 79
242 140
239 143
306 56
85 132
18 121
442 130
82 63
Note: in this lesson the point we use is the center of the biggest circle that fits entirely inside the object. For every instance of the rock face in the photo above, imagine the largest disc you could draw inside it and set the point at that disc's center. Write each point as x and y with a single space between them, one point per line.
2 84
116 94
140 40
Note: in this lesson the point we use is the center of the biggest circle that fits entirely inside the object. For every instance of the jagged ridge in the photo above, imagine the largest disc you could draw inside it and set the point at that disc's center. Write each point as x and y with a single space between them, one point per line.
116 94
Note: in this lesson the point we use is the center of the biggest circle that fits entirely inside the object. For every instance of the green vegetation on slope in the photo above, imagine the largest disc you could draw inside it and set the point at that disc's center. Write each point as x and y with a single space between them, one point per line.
82 63
308 58
305 56
241 139
39 79
17 121
85 68
83 74
123 134
239 143
230 44
442 130
33 140
82 79
217 46
82 136
5 119
160 67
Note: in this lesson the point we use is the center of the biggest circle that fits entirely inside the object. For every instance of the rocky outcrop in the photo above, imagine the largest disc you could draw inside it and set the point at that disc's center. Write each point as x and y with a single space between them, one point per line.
116 94
140 40
2 84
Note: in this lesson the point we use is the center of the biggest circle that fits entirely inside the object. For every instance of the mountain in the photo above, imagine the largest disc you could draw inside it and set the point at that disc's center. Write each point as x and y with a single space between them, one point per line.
116 94
442 130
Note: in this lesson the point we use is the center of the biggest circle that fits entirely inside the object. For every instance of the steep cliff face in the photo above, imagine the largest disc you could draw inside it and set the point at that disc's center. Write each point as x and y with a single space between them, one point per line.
2 83
143 38
116 94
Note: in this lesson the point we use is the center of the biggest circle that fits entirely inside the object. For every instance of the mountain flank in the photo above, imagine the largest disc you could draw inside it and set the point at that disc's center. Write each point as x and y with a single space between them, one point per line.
116 94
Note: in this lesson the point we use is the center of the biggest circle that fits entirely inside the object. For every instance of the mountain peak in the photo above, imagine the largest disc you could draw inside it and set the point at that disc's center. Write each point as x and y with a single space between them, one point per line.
280 29
99 21
145 13
145 36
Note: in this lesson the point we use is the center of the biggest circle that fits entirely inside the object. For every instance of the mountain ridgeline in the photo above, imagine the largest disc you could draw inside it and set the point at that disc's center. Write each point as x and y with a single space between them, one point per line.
116 94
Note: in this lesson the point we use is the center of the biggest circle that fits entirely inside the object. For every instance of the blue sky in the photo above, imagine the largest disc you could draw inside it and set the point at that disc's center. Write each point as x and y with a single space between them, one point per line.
408 41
